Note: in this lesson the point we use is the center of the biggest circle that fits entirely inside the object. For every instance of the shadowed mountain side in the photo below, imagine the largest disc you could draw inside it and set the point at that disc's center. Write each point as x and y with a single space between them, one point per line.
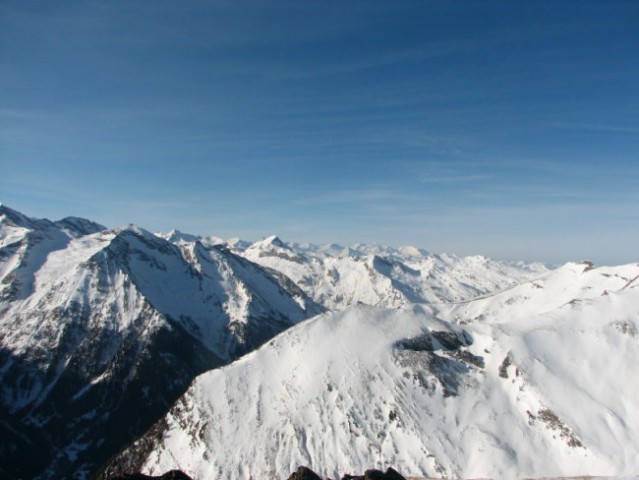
102 331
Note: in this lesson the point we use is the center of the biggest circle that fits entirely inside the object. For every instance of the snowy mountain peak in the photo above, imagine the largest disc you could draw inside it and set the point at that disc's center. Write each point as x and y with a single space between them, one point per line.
77 226
17 219
271 241
411 251
104 331
176 236
6 210
238 244
547 393
136 230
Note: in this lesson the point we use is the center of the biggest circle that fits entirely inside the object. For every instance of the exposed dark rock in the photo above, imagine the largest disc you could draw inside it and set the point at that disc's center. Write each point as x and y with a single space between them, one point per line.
553 422
626 327
172 475
390 474
436 340
78 227
503 368
304 473
438 357
466 356
291 258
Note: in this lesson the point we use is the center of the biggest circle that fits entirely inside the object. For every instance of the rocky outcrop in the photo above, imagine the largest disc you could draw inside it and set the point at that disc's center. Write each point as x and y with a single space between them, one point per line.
389 474
304 473
438 357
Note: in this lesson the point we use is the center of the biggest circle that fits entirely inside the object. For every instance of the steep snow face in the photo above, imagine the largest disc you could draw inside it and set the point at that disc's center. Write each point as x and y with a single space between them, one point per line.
100 333
533 382
207 291
337 277
24 246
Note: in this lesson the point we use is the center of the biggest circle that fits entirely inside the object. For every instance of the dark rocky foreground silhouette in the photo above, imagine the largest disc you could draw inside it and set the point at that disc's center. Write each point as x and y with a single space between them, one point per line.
302 473
172 475
305 473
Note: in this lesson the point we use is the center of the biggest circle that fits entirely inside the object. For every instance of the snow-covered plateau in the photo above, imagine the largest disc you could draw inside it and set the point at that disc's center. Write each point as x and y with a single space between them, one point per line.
245 360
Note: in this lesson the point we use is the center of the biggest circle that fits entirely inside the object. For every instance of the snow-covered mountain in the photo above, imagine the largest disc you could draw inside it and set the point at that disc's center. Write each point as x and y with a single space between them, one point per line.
181 238
336 277
101 330
539 380
436 364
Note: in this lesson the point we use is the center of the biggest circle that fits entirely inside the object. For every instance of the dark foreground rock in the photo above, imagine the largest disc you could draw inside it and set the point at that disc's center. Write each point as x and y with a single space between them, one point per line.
172 475
389 474
305 473
302 473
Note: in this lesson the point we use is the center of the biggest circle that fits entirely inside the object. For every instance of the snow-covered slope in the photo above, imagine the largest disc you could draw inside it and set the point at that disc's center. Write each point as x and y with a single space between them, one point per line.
457 366
100 331
536 381
386 277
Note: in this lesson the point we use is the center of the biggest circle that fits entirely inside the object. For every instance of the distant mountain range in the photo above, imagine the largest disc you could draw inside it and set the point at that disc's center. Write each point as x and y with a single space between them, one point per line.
336 276
350 358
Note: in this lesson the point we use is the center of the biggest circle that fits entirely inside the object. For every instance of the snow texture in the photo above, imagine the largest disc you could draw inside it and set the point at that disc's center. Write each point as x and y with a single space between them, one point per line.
536 381
435 364
336 276
101 330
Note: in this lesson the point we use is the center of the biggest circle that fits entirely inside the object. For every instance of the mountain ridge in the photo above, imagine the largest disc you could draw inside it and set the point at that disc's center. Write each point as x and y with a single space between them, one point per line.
103 330
115 324
432 390
387 277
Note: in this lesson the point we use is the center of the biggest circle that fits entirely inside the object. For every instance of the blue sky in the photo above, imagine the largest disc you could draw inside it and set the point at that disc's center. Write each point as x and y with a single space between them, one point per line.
509 129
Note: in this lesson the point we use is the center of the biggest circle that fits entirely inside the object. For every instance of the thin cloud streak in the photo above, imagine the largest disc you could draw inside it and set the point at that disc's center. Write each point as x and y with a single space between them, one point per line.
596 127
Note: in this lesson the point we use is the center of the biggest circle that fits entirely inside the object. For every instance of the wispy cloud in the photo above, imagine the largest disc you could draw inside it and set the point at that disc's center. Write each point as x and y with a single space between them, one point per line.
596 127
349 196
22 114
39 186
